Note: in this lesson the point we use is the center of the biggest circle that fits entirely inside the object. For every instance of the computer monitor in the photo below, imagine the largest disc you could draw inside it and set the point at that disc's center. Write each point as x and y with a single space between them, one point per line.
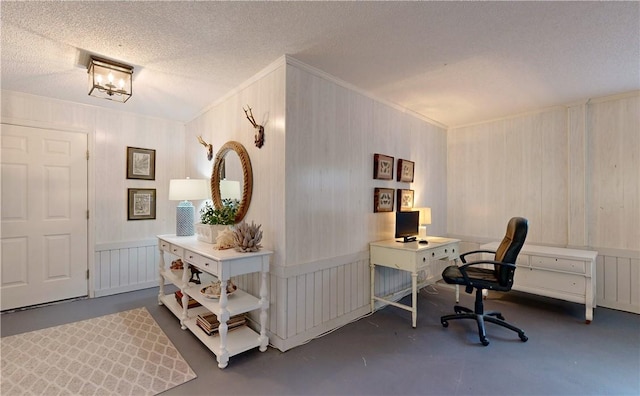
407 224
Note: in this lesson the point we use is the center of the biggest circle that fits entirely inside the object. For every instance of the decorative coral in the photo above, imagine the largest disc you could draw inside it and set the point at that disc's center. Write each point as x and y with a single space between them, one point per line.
247 237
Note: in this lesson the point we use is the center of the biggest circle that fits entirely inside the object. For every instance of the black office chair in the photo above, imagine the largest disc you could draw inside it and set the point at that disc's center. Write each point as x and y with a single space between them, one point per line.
499 278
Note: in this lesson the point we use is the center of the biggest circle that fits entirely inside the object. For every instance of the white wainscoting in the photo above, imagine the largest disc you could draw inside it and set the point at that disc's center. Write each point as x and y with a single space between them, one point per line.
618 280
310 299
125 266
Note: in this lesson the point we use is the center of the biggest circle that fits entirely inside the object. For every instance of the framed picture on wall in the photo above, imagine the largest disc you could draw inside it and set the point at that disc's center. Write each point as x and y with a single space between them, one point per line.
141 163
405 200
382 167
405 170
142 204
383 200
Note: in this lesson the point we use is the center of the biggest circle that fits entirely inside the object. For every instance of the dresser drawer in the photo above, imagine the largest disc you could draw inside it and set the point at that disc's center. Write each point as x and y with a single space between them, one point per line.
544 280
559 264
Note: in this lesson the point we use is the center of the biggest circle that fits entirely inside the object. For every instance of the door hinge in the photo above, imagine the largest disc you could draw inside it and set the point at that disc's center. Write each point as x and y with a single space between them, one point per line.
87 214
87 154
87 274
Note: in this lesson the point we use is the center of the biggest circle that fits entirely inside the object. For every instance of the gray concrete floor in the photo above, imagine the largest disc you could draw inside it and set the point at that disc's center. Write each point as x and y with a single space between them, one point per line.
382 355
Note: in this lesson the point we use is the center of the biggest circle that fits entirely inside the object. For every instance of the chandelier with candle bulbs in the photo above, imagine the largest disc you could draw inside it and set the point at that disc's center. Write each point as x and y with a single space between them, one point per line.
109 79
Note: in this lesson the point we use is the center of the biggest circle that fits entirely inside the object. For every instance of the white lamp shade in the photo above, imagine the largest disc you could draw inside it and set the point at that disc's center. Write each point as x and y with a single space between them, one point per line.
230 189
425 216
188 189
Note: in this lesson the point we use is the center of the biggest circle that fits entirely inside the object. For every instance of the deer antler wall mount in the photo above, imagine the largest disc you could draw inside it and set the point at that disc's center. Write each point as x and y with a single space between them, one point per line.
259 136
208 146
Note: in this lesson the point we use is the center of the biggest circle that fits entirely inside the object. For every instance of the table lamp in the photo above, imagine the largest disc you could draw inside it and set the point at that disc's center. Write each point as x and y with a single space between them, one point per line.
425 219
185 190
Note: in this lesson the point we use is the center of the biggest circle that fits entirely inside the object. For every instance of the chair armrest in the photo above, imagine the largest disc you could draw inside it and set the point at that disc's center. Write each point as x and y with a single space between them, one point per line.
463 255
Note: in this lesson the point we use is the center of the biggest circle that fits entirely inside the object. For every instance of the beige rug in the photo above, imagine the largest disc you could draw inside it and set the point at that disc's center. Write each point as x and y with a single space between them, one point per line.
124 353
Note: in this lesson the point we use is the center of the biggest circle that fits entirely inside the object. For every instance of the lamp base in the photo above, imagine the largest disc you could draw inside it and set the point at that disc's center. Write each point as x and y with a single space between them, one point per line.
185 213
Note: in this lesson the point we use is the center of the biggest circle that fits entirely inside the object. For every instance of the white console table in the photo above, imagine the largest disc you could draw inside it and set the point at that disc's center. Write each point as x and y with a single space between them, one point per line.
223 264
565 274
412 257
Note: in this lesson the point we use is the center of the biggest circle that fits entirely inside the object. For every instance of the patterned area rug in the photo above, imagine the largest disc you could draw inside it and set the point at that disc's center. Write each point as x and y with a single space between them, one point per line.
124 353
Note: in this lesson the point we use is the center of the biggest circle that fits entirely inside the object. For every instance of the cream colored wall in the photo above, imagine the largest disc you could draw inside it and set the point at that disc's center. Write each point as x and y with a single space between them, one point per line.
110 132
613 190
511 167
224 121
333 132
573 171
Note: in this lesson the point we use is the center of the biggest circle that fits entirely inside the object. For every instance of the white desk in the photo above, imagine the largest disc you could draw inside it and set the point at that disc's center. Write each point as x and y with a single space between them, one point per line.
223 264
412 257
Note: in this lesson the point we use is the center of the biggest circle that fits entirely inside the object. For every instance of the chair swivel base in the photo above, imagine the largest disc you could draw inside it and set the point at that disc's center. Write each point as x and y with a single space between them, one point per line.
480 317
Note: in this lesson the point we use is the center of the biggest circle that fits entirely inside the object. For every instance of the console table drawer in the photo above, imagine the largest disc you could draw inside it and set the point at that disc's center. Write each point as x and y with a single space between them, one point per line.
559 282
164 245
204 263
177 250
560 264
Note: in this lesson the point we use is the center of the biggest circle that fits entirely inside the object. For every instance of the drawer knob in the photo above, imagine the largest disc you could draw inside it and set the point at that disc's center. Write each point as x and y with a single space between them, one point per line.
433 254
191 258
445 250
424 259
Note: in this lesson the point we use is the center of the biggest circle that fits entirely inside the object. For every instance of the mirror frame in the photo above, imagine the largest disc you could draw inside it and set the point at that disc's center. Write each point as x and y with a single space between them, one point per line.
247 174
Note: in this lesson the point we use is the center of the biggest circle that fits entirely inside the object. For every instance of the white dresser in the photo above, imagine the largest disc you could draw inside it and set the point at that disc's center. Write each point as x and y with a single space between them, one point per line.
223 264
565 274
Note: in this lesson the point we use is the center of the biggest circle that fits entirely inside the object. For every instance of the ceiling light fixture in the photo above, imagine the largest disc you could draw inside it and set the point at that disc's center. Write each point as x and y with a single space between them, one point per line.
109 80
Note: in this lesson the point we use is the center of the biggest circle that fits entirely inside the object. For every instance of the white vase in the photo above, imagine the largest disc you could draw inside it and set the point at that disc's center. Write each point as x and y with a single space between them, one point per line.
208 232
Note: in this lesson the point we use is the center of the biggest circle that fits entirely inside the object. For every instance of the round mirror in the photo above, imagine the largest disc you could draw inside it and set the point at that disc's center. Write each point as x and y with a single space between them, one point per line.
223 168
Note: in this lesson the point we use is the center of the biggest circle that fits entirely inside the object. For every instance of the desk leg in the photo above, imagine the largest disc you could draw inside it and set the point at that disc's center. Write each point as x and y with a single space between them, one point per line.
414 299
373 285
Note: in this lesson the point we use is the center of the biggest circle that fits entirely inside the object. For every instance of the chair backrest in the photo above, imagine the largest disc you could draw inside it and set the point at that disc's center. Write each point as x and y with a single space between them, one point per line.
509 249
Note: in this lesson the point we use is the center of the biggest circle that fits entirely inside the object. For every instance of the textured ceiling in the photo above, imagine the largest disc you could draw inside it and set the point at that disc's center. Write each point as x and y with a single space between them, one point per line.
453 62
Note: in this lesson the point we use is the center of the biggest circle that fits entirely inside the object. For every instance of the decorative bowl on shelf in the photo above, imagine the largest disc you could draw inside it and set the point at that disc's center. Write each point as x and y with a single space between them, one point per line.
213 290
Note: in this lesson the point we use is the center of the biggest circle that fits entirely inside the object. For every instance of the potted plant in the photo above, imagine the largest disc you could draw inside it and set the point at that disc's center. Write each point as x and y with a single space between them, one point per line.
214 220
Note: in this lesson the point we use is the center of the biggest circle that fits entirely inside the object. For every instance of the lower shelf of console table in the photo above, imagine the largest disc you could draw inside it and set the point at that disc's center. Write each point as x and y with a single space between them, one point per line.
220 264
238 340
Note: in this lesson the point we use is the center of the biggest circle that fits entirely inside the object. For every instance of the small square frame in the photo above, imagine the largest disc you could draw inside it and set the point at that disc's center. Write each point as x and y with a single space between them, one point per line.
383 200
405 200
142 204
141 163
382 167
405 170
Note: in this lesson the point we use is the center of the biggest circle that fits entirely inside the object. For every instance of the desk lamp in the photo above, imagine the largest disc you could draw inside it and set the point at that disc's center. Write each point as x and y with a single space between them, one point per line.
185 190
425 219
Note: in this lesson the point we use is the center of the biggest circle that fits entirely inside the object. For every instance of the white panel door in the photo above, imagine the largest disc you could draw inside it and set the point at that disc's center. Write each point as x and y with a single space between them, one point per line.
44 216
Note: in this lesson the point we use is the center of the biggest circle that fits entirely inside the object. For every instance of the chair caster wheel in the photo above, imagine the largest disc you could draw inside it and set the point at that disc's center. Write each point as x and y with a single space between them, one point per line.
523 337
444 323
484 341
